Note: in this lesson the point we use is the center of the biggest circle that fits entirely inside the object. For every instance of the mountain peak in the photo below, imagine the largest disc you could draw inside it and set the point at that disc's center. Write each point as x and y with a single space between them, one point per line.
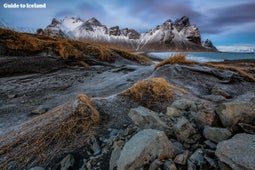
182 22
94 21
55 21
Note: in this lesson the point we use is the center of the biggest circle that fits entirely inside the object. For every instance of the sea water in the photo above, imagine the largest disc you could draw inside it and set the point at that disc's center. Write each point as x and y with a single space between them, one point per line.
205 56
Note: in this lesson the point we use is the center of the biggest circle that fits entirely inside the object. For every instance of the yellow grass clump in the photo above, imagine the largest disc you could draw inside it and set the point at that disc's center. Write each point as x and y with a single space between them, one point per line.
176 59
151 92
241 68
41 139
232 68
67 49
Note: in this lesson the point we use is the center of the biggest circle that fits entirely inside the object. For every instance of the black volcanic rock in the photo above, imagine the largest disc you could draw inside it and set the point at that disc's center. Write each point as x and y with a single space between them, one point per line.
181 23
130 33
208 44
114 31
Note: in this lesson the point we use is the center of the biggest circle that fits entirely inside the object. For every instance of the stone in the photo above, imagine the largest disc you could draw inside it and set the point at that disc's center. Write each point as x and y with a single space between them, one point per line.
178 147
182 158
114 157
238 152
216 134
211 162
40 110
37 168
234 112
67 162
172 111
155 165
145 147
146 119
183 129
210 144
247 128
12 96
219 91
169 165
196 160
206 118
94 145
184 105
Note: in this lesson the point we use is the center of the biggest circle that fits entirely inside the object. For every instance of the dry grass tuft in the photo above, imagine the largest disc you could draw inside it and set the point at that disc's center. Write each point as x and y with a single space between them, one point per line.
232 68
176 59
67 49
41 139
151 92
241 68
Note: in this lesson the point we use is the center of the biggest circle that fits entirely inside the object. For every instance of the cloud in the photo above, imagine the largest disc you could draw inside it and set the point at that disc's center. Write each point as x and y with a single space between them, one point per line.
228 18
64 13
167 9
93 9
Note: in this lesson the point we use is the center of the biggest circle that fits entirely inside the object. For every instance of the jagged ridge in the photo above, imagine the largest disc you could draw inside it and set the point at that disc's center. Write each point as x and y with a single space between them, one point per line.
177 35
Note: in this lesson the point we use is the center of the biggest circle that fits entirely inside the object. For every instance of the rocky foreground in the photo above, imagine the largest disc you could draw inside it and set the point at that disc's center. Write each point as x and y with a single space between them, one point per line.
124 114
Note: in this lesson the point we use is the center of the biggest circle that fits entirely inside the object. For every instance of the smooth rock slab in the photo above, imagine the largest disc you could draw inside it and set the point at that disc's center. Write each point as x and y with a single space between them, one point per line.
144 147
238 152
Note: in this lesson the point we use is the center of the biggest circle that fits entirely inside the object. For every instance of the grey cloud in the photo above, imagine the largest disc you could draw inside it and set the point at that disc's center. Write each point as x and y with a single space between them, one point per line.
91 10
227 18
64 13
237 14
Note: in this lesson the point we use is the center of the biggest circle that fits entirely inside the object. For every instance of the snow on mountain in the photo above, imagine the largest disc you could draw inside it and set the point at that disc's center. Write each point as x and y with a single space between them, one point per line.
178 35
237 48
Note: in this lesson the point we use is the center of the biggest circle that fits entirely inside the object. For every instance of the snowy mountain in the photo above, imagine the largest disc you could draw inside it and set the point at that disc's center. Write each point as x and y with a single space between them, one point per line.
178 35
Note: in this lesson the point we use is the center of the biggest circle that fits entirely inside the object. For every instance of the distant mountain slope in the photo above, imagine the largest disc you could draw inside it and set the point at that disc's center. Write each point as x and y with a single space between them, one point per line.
177 35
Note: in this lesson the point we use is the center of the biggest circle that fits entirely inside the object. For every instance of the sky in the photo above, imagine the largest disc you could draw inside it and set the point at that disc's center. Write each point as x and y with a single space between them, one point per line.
225 22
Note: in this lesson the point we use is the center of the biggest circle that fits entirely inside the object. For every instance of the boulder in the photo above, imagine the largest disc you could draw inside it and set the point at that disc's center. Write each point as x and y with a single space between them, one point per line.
145 147
183 129
231 113
145 119
238 152
216 134
206 117
184 105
